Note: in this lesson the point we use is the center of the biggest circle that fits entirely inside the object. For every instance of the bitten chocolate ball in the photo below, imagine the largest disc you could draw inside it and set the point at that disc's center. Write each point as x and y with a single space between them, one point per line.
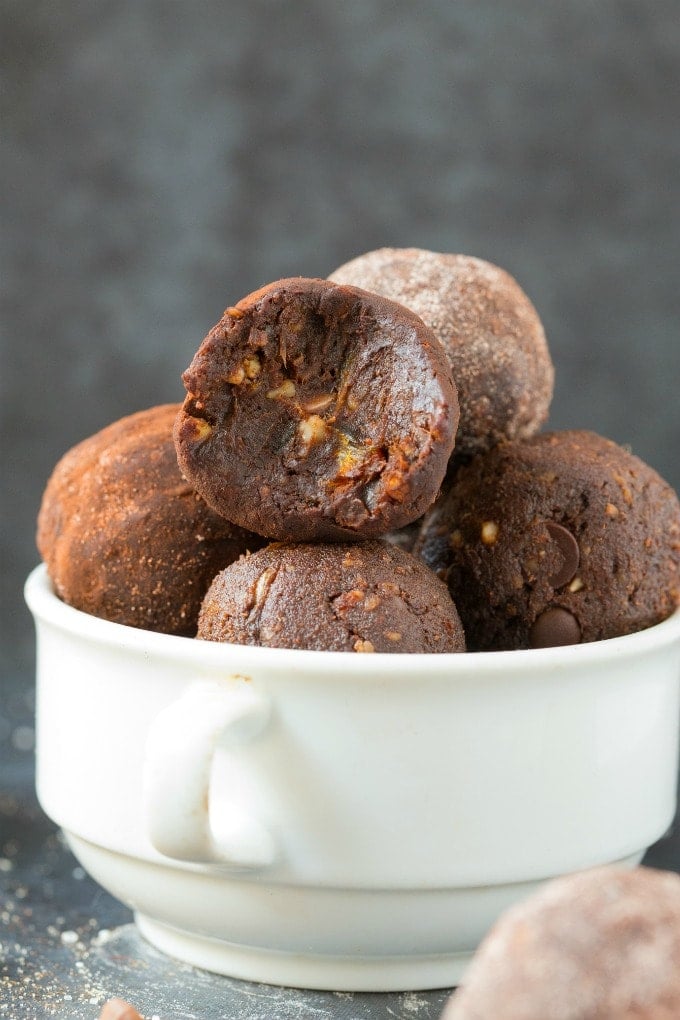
317 412
600 945
367 597
488 327
124 535
561 539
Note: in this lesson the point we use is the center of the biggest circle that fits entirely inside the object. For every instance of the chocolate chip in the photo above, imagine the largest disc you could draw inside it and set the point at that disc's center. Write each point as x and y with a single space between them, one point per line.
569 551
555 626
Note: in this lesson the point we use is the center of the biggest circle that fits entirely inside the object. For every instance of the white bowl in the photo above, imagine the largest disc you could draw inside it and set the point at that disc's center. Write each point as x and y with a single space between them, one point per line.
339 821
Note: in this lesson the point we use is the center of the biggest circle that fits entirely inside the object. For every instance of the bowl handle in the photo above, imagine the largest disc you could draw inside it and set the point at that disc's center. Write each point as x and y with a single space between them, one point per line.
180 747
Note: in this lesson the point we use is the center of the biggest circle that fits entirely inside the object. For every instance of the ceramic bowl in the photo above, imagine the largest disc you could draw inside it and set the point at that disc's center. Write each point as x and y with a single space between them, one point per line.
338 821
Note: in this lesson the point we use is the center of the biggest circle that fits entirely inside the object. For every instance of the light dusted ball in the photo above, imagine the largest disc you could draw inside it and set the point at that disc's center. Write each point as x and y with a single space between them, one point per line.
488 327
600 945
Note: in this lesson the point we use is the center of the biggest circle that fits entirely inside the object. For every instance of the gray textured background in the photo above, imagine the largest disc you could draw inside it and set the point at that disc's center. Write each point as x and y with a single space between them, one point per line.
162 159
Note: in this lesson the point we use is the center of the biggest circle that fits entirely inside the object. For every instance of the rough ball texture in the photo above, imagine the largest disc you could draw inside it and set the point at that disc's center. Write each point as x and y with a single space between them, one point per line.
600 945
318 413
566 537
124 535
368 597
488 327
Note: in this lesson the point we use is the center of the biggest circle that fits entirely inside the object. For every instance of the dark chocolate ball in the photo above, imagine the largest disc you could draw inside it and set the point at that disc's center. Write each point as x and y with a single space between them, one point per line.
359 597
563 538
124 535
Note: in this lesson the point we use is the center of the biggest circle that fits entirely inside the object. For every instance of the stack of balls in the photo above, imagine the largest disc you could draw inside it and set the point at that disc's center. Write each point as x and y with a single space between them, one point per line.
357 466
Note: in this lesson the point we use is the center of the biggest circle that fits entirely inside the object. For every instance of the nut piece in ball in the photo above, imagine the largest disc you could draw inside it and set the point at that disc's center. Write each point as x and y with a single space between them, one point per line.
118 1009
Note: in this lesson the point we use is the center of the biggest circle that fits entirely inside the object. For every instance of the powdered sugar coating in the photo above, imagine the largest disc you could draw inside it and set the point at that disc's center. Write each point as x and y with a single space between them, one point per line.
600 945
488 326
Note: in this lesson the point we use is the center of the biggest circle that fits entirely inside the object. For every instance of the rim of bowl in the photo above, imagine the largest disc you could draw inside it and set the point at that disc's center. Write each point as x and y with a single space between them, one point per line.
46 606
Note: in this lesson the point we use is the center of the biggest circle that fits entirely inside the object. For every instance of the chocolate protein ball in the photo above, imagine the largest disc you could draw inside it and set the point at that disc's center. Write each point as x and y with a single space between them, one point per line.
368 597
563 538
488 327
317 412
124 535
600 945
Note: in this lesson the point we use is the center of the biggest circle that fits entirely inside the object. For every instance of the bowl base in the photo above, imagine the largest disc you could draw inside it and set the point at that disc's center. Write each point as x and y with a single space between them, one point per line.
297 970
326 939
